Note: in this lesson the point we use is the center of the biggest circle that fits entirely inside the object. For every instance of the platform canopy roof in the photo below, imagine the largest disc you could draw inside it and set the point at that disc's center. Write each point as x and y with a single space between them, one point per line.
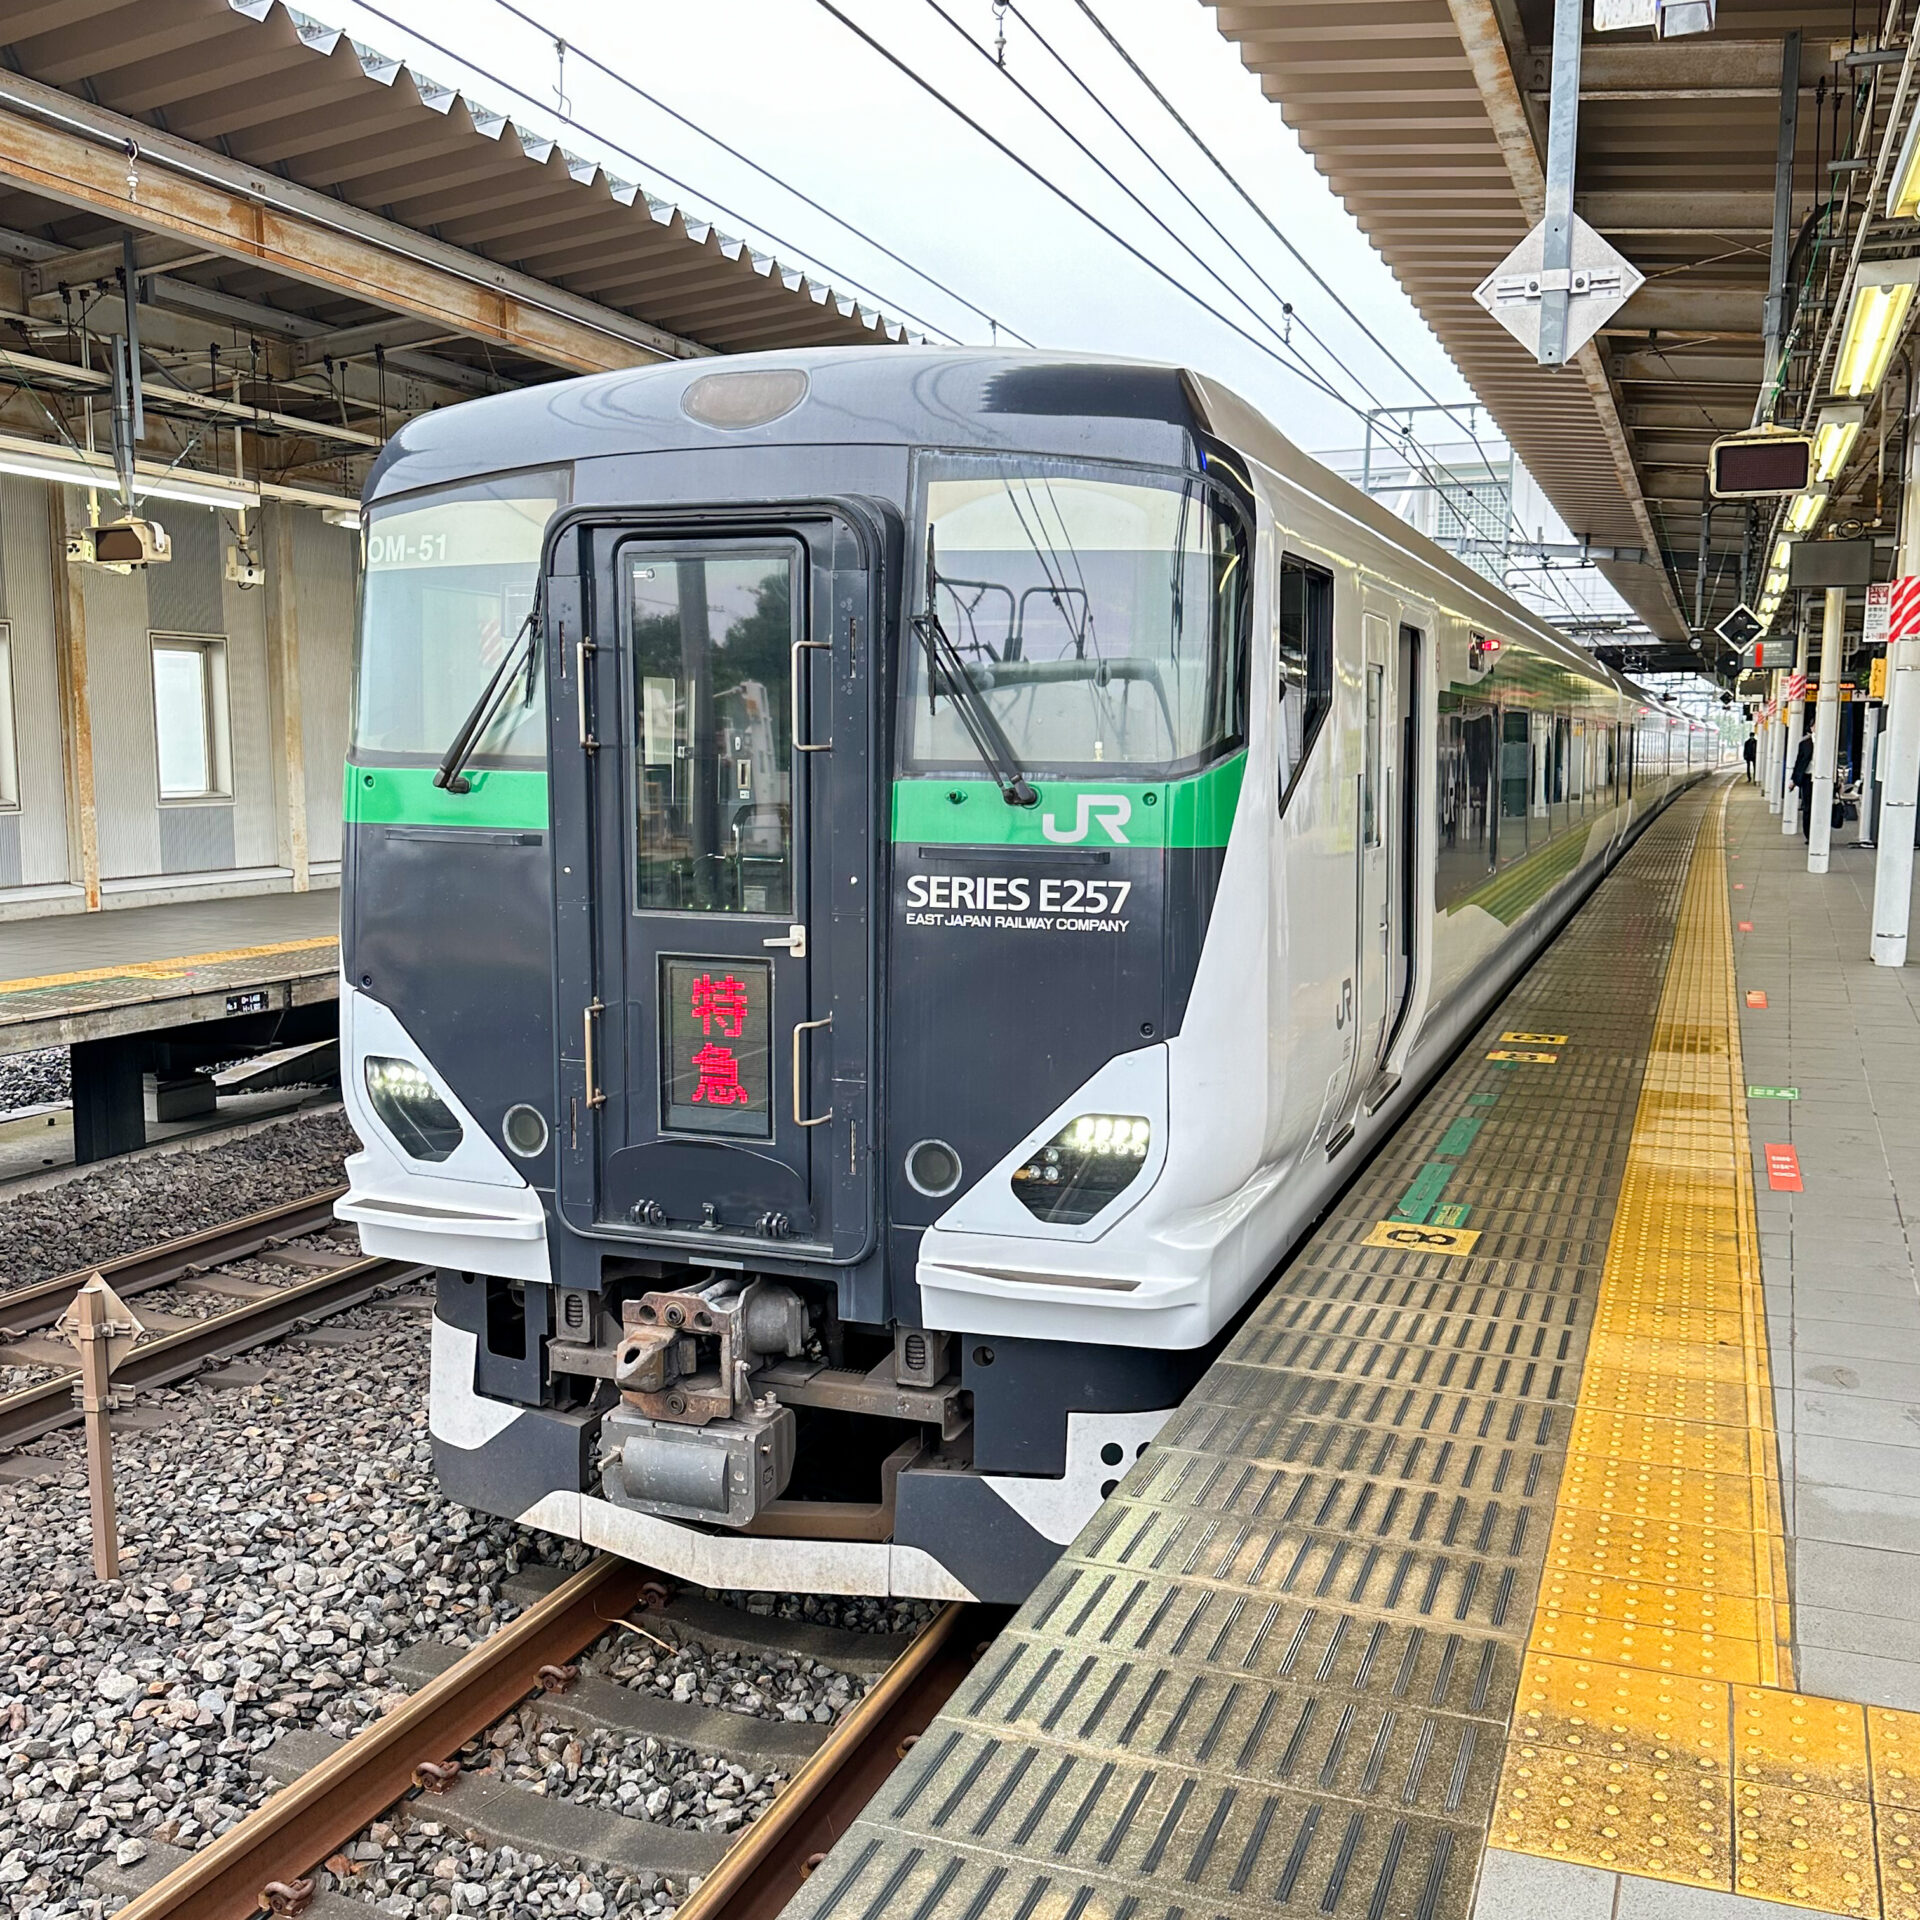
326 239
1428 118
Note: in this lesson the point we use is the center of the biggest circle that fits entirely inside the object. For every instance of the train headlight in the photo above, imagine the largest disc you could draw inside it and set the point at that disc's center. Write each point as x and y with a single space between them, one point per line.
410 1107
1086 1164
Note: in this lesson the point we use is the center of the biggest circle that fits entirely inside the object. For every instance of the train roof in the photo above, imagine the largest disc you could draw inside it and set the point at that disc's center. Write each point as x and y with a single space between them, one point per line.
1072 406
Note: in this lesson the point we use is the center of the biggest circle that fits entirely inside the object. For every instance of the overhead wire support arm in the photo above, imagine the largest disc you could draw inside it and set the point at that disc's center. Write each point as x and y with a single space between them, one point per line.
1563 138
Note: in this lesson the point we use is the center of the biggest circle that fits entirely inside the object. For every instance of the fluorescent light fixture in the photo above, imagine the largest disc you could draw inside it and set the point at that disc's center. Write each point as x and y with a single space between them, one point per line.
76 470
348 517
1833 436
1782 557
1877 312
1804 514
1903 190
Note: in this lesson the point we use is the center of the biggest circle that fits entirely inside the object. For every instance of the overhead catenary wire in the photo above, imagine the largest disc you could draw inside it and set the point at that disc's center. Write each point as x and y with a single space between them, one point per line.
1266 220
766 173
660 173
1107 172
1412 447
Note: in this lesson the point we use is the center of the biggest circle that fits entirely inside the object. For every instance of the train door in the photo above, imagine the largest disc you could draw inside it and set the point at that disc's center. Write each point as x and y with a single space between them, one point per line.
1375 842
714 871
1403 828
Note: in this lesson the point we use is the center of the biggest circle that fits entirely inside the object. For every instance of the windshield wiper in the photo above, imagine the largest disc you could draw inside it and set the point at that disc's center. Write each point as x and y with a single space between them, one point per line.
946 668
448 775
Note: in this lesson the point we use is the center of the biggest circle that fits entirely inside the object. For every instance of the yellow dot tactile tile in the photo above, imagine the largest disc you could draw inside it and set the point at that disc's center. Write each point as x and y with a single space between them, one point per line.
1893 1750
1639 1817
1805 1850
1657 1731
1896 1833
1604 1483
1693 1446
1591 1706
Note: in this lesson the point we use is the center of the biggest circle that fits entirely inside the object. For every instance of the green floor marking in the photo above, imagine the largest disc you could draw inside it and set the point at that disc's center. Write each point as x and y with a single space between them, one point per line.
1459 1137
1483 1099
1773 1093
1428 1185
1453 1214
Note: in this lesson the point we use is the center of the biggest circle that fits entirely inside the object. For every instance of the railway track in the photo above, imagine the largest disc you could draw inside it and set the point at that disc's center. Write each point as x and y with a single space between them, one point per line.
194 1263
265 1862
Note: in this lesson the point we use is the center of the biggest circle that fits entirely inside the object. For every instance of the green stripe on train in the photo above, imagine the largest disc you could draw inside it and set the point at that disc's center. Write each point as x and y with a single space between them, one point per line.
406 797
1164 813
1158 813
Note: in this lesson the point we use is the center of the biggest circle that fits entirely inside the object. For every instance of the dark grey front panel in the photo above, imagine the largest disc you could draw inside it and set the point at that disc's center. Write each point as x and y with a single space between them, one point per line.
449 927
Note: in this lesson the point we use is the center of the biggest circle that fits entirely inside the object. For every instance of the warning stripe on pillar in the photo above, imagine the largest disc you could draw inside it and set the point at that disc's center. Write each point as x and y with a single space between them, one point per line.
1903 619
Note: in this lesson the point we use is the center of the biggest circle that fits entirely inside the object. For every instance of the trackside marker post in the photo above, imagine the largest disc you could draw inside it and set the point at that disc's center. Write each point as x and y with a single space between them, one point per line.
102 1327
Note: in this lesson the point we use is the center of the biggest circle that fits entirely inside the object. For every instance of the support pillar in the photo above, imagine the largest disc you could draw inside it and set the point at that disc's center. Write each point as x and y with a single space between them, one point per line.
1796 724
1869 752
1893 863
1826 729
109 1102
1776 740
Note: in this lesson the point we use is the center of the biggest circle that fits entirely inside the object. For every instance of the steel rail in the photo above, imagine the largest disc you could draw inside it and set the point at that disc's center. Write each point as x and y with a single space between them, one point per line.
41 1302
765 1866
303 1823
41 1409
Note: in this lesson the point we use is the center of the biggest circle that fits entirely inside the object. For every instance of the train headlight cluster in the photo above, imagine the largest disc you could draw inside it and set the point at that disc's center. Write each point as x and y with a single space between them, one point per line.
1086 1164
410 1107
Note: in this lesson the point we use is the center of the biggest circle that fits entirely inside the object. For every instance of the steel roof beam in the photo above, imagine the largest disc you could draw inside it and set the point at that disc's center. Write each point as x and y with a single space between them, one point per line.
79 269
78 155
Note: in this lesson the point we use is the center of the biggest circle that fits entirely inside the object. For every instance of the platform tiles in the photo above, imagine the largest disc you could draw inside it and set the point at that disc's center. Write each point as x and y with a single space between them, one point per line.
1278 1670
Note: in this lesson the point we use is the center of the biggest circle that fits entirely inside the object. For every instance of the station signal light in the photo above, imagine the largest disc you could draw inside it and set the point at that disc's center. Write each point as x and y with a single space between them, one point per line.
122 545
1876 315
1754 466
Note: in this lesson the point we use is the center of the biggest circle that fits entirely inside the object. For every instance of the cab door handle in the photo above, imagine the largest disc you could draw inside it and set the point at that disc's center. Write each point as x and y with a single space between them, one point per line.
799 1117
794 940
796 673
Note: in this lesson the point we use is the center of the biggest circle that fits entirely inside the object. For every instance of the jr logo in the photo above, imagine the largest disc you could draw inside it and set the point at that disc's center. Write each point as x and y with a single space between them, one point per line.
1112 810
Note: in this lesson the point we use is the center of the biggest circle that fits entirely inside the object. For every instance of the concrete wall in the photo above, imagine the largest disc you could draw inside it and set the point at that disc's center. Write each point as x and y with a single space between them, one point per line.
241 841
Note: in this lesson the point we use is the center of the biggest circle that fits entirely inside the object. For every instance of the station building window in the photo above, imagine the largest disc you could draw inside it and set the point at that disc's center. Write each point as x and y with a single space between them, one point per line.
192 740
9 738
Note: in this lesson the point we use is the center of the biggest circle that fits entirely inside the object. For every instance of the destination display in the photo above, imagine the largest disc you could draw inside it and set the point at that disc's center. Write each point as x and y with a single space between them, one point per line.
715 1019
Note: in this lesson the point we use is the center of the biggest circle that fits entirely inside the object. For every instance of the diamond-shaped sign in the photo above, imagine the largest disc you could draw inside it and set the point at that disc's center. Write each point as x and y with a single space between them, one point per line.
1740 627
1600 282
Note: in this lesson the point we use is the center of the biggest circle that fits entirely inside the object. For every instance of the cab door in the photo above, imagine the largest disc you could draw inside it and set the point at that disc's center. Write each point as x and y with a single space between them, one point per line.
714 867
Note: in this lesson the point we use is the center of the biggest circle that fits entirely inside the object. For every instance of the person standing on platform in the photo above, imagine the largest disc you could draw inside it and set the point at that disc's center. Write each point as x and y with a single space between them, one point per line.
1751 751
1803 784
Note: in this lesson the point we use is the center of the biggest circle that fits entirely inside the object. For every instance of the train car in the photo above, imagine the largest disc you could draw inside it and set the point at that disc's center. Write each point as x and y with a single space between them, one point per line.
885 890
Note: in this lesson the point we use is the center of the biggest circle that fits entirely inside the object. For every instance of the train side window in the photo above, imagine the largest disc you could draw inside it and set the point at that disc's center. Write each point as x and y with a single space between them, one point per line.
1304 665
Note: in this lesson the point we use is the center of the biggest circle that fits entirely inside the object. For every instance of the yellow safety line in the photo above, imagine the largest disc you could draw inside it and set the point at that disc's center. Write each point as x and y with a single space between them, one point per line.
168 969
1656 1731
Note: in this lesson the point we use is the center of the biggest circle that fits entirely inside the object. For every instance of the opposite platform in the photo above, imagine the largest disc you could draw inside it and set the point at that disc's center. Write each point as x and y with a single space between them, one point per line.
95 976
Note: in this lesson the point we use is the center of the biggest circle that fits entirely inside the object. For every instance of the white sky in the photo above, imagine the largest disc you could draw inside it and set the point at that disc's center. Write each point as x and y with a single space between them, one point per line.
796 91
787 84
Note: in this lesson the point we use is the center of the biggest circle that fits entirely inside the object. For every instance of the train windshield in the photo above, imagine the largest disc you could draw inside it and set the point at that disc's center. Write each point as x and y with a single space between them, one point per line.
1100 619
449 584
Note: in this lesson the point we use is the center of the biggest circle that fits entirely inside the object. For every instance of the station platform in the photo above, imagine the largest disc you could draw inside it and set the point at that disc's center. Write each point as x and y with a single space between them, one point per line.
78 977
1542 1547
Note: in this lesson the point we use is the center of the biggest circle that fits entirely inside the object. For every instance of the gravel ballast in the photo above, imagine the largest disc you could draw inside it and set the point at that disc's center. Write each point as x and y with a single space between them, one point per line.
121 1207
37 1079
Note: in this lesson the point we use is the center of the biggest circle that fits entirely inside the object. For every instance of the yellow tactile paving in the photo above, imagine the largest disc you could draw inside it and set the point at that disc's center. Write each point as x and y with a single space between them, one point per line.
1657 1731
169 969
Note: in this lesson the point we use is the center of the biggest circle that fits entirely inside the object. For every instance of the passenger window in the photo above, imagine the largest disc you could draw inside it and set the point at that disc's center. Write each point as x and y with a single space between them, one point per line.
1305 665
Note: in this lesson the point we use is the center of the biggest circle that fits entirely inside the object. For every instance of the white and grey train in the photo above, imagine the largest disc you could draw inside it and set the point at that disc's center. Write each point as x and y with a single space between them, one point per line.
885 890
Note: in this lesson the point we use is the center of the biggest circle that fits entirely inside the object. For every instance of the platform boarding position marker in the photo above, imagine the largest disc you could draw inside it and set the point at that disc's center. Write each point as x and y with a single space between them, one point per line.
101 1325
